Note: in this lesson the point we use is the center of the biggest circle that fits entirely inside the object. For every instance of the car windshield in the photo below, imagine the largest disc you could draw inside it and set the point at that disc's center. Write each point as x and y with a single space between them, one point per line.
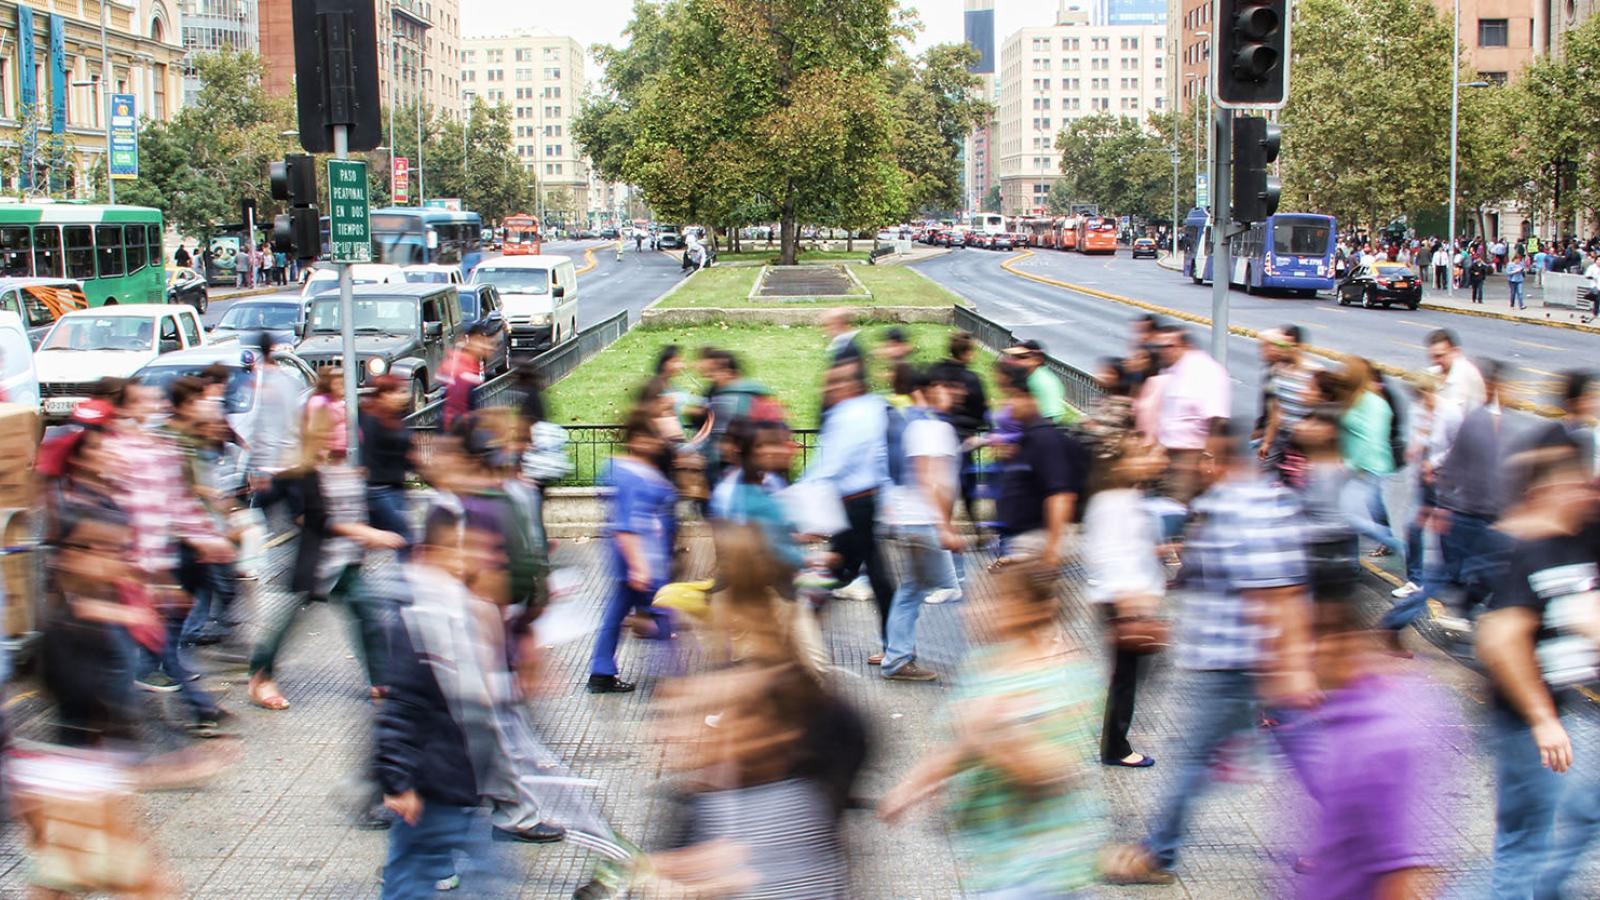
1300 237
427 276
252 316
237 396
515 281
373 314
102 333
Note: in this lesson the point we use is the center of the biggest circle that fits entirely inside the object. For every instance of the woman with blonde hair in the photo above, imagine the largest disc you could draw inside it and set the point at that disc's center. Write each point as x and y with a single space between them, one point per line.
327 404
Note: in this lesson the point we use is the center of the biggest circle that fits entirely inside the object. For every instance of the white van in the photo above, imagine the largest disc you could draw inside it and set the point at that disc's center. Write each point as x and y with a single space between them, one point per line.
538 297
18 382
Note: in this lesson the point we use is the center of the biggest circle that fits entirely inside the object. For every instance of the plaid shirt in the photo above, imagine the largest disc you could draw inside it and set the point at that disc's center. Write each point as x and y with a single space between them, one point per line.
1246 536
152 488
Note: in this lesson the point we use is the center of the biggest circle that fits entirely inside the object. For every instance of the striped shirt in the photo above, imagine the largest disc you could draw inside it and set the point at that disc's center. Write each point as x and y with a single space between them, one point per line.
790 833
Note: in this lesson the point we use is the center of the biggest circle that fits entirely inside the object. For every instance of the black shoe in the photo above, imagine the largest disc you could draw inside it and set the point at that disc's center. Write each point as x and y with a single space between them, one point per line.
538 834
609 684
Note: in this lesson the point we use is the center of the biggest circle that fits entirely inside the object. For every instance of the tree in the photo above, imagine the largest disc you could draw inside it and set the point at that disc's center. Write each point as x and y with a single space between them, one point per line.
1366 129
991 201
1549 115
472 159
1116 164
937 104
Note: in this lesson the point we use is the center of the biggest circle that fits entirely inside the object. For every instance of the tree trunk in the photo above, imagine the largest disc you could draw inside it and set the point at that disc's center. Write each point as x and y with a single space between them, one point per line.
849 242
789 235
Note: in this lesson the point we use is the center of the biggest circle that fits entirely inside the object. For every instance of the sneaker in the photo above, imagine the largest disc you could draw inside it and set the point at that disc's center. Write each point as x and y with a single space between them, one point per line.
875 659
1457 624
157 682
447 884
1405 590
860 589
911 672
943 595
540 833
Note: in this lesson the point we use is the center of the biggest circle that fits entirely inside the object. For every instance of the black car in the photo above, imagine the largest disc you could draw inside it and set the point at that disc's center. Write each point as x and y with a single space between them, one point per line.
281 315
188 287
400 329
1382 283
481 303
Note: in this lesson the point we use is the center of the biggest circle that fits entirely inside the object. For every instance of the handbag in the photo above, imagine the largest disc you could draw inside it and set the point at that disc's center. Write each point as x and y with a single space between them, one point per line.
1141 635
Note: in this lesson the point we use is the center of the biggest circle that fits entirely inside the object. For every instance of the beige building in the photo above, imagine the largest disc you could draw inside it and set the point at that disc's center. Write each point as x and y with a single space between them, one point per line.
146 56
538 75
1050 75
419 51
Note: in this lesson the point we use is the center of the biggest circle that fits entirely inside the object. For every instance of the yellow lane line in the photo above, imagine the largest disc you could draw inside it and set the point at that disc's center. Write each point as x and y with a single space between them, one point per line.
1009 266
588 262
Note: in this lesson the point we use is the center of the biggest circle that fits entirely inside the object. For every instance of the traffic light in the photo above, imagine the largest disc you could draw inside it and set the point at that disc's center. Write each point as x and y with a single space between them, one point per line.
1250 55
297 231
336 73
1255 190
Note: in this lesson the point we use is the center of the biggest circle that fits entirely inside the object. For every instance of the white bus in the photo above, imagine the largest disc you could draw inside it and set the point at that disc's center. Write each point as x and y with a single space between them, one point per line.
986 223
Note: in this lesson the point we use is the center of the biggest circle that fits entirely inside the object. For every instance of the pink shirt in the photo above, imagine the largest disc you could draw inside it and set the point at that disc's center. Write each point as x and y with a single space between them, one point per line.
1194 392
339 440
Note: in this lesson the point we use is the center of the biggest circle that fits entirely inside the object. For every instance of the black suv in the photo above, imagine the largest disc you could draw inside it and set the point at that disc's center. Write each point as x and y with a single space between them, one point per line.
400 329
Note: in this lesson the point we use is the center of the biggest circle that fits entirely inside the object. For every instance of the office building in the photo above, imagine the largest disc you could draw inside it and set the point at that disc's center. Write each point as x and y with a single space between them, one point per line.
213 25
53 98
1129 12
1189 29
977 158
1052 74
419 51
539 75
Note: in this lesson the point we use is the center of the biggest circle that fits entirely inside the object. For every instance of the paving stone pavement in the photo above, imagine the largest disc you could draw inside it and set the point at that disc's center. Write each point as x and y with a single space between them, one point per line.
268 828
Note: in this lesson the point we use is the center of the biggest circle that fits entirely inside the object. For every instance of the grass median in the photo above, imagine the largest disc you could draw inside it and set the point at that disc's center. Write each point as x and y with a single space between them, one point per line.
728 287
770 256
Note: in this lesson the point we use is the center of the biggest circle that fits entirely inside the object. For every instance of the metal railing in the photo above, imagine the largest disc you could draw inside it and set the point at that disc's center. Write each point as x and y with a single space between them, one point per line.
552 365
1082 388
589 446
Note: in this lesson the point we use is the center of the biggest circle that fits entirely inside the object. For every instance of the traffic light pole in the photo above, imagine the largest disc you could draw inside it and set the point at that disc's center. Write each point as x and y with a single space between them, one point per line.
347 327
1221 224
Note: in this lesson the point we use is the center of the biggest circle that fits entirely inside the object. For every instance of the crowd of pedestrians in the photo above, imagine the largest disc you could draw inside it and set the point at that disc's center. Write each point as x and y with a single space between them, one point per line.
1470 261
1231 541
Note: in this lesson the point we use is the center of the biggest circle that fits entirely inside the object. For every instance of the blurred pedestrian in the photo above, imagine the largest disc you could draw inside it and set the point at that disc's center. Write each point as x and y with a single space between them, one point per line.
1194 395
1048 392
1463 382
386 455
1042 479
325 410
1470 485
1364 442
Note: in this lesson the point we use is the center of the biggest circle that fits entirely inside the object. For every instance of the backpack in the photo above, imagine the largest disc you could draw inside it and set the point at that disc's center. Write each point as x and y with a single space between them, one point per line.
1397 441
895 433
527 558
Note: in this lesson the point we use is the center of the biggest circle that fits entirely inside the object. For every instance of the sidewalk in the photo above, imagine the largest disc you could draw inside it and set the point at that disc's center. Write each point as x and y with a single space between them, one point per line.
268 829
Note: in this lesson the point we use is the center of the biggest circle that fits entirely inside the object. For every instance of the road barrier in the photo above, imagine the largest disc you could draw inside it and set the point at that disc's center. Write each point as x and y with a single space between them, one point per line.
1083 389
1566 290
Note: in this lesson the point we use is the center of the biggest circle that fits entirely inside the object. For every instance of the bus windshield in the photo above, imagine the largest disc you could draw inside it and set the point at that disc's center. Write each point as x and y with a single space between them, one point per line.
515 281
397 239
373 314
1299 236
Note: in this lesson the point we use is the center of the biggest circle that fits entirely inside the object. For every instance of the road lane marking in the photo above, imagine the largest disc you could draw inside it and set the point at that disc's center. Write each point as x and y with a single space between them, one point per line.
1526 343
1009 266
1423 325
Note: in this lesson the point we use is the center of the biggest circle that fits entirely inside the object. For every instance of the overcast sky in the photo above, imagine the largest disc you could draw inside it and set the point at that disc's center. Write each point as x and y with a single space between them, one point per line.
602 21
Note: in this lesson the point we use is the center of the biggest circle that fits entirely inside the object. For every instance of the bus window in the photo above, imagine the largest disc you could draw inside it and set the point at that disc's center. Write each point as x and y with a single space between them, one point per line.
136 254
158 251
16 256
47 251
80 251
449 249
108 250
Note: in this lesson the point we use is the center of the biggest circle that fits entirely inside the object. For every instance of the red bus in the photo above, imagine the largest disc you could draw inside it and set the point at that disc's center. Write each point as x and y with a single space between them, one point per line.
1067 232
522 235
1038 232
1097 234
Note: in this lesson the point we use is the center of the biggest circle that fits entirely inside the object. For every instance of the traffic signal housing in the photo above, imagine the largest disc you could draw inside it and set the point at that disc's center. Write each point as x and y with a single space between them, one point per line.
336 73
297 231
1250 54
1255 147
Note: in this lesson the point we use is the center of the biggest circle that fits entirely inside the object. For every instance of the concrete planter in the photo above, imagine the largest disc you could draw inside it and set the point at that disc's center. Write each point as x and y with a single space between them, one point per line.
795 318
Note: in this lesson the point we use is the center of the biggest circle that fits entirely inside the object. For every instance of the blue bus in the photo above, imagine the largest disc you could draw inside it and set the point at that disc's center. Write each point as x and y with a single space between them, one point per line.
1287 252
411 235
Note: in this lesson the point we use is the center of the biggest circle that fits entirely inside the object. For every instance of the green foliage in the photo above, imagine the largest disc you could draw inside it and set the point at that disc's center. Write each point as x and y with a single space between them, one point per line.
1116 163
937 105
991 202
473 159
1366 130
1545 125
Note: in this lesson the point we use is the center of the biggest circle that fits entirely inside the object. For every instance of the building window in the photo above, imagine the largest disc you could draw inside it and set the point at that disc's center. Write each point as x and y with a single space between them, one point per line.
523 54
1491 77
1493 33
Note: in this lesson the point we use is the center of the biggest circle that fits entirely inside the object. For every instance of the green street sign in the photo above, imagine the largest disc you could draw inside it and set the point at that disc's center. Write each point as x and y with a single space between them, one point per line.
349 228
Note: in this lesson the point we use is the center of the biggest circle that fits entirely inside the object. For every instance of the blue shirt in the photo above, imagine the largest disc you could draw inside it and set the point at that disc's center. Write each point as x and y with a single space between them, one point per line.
642 503
853 449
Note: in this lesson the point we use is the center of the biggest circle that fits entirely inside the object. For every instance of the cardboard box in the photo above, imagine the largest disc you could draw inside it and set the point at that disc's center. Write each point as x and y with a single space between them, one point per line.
19 445
20 572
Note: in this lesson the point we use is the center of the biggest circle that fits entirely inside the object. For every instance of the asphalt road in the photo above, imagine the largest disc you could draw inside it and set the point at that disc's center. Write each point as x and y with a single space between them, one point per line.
606 289
1080 328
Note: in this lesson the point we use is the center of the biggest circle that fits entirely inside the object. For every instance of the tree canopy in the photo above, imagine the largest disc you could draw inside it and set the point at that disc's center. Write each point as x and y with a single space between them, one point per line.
1117 164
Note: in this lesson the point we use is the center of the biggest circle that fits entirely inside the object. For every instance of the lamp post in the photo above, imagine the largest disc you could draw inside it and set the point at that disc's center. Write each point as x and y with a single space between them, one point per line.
1176 157
105 98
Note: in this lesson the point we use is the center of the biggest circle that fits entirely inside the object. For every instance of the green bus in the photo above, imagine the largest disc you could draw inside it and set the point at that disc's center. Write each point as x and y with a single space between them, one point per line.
115 251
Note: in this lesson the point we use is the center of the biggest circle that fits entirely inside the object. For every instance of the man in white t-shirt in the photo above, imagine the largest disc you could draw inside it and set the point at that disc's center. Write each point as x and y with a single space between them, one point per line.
925 471
1593 274
1463 383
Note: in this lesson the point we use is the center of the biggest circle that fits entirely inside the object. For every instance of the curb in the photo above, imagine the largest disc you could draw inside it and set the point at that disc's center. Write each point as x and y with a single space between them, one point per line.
1507 317
1537 409
240 294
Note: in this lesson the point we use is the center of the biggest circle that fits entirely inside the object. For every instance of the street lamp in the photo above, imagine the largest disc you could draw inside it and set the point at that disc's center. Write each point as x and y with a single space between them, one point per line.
1176 156
1455 117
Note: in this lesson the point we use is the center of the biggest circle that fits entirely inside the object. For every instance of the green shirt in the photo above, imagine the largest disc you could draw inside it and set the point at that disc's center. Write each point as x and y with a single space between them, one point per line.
1049 393
1364 435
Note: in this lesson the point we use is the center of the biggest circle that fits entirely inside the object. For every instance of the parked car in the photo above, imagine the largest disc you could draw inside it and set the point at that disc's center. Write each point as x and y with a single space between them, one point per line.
185 285
1382 283
1004 242
981 240
400 329
1144 247
538 296
669 237
89 344
239 396
609 233
322 278
39 302
19 383
481 303
432 273
283 315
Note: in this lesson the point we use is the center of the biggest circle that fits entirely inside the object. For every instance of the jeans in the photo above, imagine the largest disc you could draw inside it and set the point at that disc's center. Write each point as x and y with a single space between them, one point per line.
1362 503
624 599
1477 289
1516 294
858 548
1416 534
1469 560
1577 826
1526 798
1224 705
213 589
922 567
367 620
386 510
424 853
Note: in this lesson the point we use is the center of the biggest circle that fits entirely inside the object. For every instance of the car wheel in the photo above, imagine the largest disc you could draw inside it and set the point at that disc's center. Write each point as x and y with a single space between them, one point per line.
1413 305
572 327
1366 300
419 395
204 304
1343 300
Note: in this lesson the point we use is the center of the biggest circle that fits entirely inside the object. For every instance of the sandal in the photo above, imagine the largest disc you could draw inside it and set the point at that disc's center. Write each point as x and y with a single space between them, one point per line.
265 694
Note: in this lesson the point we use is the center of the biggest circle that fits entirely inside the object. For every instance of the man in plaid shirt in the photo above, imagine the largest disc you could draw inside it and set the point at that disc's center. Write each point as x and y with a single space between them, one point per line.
1244 637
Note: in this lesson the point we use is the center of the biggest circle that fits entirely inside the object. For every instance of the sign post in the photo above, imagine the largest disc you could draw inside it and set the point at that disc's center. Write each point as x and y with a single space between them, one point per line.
349 242
400 186
124 137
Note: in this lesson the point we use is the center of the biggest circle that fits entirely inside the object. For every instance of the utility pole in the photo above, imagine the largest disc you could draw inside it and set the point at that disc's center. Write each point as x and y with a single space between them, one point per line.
422 194
105 98
1175 158
347 326
1221 222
